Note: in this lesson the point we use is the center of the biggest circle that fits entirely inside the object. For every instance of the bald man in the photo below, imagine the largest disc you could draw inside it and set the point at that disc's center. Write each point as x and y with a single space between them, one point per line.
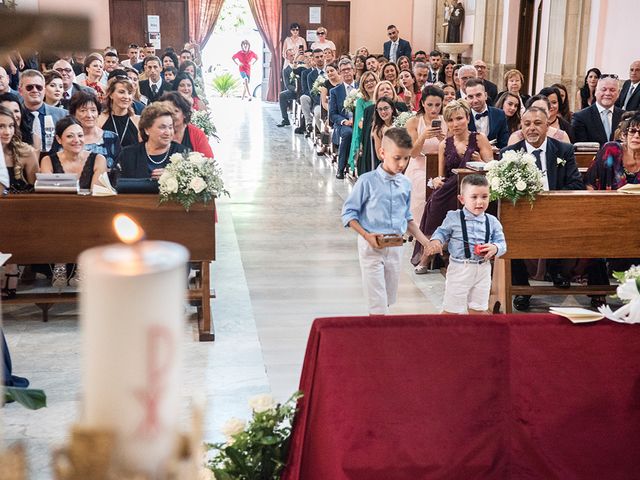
4 82
629 98
490 87
65 70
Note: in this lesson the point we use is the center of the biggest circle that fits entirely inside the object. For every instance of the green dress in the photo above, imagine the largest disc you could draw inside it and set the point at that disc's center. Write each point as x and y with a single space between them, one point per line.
361 104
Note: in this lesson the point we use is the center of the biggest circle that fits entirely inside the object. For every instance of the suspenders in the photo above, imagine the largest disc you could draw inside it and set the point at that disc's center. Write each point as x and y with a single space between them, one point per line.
465 235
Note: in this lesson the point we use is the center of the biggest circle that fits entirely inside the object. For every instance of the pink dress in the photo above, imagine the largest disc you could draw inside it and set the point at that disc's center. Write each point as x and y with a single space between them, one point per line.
417 170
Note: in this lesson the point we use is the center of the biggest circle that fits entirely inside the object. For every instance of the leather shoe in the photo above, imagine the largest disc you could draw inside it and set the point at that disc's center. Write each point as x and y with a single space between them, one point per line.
522 303
598 301
299 130
284 123
340 176
560 281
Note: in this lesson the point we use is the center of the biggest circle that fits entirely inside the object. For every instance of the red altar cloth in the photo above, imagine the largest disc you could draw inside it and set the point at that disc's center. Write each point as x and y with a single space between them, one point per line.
463 397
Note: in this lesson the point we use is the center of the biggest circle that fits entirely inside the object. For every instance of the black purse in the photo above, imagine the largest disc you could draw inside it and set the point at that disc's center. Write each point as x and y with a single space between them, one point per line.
137 185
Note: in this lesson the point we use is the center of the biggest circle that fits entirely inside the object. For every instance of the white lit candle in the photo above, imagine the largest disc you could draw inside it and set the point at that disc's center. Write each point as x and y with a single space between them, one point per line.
132 317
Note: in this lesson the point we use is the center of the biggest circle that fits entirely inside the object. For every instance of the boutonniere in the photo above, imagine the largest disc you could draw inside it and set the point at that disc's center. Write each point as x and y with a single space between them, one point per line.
561 162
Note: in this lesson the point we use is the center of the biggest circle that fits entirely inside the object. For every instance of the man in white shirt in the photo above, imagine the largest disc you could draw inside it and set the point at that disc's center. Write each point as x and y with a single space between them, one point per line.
490 121
435 64
465 73
153 87
132 53
396 47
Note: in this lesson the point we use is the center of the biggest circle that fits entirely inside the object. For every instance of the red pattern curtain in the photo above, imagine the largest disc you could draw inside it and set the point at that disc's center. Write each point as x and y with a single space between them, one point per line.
268 17
202 18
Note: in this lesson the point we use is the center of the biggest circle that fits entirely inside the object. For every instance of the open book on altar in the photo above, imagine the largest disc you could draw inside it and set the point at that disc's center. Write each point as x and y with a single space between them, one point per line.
630 188
103 188
577 314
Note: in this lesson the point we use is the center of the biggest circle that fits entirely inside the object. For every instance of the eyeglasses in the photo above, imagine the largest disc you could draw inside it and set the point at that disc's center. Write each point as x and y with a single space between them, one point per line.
383 109
321 33
133 45
30 88
609 75
391 33
64 71
633 131
295 29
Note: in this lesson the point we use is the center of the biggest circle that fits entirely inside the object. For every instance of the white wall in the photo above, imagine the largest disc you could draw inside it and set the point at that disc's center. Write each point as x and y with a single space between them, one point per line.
617 37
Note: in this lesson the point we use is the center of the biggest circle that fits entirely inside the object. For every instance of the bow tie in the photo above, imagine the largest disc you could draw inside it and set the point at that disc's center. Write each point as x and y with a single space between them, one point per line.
478 116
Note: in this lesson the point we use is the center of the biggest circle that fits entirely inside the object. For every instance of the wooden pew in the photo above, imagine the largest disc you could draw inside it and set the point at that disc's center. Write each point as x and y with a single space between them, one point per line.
432 171
585 159
46 228
565 224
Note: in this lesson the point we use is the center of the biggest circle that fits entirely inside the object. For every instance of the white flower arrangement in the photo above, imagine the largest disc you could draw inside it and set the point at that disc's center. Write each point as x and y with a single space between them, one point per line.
401 120
561 162
189 178
629 293
202 120
317 84
514 176
350 101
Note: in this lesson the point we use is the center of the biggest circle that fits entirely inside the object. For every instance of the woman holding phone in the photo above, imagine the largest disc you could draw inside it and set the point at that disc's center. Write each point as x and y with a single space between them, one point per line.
427 130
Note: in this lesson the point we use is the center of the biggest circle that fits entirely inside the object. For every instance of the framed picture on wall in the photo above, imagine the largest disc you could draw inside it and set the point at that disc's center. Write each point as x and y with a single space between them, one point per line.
315 15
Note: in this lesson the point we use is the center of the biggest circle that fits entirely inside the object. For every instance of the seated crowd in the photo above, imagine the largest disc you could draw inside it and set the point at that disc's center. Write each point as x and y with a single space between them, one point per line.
347 102
124 118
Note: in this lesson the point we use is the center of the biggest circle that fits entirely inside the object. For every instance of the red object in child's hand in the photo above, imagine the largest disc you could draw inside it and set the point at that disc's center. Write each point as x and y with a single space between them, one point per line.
477 249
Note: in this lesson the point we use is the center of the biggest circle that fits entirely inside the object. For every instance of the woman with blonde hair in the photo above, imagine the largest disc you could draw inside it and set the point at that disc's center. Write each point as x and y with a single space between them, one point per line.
368 83
369 156
460 147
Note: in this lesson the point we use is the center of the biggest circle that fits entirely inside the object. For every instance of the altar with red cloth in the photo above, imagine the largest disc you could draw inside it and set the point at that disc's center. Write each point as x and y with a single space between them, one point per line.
468 397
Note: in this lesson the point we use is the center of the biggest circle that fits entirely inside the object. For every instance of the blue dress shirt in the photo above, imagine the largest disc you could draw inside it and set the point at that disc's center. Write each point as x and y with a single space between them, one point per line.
451 231
380 202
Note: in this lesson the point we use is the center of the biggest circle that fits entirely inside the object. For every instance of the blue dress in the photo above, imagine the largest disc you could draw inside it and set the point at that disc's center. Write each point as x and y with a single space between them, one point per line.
109 147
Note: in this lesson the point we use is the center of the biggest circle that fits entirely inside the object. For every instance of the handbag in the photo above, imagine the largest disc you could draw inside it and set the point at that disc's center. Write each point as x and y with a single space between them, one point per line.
137 185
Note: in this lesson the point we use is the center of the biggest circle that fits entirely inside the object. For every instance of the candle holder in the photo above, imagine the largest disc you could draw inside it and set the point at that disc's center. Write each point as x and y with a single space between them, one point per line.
90 455
13 463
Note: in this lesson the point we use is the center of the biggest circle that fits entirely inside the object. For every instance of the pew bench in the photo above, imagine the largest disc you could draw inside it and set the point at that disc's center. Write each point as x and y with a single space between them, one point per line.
50 228
564 224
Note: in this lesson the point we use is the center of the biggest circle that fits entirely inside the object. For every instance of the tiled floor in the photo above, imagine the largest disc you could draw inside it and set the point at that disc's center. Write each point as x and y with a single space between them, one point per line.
283 260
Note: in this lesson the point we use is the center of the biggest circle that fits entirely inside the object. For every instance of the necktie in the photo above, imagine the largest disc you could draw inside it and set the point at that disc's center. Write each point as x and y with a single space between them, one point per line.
154 89
629 94
65 95
36 129
394 51
606 123
478 116
536 153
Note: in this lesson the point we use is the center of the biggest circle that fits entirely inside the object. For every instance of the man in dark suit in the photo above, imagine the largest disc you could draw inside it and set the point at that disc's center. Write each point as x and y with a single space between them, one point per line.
490 87
396 47
288 93
435 64
65 70
557 162
598 122
341 118
308 100
154 86
630 94
488 120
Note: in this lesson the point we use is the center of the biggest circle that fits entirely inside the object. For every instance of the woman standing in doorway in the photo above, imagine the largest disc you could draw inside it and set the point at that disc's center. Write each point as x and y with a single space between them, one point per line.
244 59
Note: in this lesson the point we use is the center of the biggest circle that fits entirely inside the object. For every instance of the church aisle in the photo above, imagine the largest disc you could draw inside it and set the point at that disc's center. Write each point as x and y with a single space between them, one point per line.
299 262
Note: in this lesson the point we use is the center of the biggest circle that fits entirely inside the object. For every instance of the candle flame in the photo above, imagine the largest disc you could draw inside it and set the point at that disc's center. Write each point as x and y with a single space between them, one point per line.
127 229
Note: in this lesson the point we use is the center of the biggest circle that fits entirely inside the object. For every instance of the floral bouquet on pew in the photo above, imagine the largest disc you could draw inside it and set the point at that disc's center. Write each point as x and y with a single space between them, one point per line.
202 120
401 120
259 450
629 293
515 176
189 178
319 82
350 101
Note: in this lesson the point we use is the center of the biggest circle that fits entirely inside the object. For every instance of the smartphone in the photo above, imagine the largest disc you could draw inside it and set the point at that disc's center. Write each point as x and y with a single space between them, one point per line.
436 123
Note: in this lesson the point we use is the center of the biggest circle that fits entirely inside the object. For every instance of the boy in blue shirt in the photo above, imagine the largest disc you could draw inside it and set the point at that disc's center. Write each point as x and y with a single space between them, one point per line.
474 237
378 207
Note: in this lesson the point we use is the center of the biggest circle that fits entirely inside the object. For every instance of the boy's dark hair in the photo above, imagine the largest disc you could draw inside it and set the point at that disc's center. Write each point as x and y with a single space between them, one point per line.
400 137
171 69
474 180
474 82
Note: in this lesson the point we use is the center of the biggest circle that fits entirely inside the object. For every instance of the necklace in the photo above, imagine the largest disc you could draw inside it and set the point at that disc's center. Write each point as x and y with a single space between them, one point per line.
154 161
124 131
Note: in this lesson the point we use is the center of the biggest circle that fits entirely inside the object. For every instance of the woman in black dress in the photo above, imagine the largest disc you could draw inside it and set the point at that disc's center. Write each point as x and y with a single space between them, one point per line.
118 115
148 159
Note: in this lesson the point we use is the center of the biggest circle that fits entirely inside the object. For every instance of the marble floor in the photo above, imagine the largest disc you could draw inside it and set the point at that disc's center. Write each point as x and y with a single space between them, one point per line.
283 260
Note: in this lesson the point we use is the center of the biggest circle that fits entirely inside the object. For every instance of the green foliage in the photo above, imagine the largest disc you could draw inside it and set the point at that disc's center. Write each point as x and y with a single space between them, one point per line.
260 451
29 398
225 84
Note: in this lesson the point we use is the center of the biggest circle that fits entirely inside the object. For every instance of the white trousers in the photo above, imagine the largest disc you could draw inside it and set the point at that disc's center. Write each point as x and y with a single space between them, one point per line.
305 104
380 275
467 286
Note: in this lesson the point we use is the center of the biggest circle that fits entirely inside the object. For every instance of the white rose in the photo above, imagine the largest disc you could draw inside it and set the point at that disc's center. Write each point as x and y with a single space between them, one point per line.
262 403
491 164
196 157
521 185
171 184
197 184
233 426
628 290
495 183
176 158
